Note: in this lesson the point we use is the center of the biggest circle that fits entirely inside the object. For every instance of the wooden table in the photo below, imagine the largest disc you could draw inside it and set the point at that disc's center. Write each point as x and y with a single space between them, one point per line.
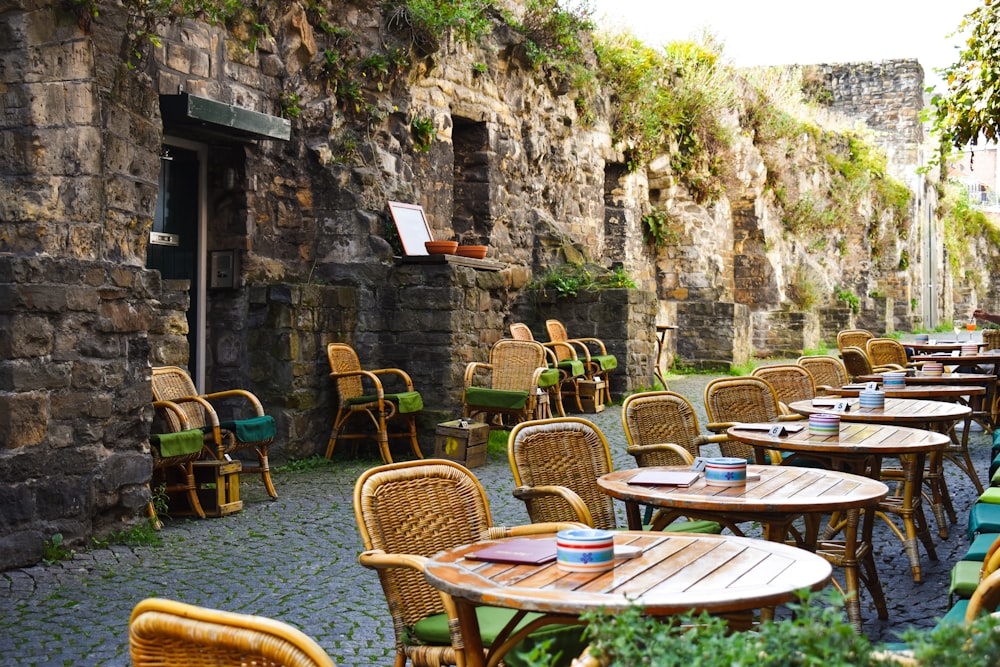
781 495
676 573
859 448
936 346
988 358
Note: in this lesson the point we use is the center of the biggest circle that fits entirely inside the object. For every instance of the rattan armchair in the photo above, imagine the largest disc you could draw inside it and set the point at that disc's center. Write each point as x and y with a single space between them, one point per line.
165 633
180 462
858 363
591 351
556 463
888 352
570 369
729 401
362 396
790 382
853 338
655 418
507 385
829 373
407 512
250 428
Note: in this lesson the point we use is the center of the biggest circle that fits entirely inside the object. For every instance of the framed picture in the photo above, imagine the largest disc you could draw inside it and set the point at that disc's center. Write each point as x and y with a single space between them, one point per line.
412 227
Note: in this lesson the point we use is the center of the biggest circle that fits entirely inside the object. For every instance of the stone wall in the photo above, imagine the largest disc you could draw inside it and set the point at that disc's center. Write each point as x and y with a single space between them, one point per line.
714 336
785 333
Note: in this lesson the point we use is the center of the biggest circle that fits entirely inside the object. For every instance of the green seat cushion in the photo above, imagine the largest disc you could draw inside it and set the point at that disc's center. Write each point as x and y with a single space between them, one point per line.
548 378
956 614
980 545
983 518
995 474
256 429
405 401
573 367
996 442
566 638
496 398
965 578
710 527
607 362
178 444
990 495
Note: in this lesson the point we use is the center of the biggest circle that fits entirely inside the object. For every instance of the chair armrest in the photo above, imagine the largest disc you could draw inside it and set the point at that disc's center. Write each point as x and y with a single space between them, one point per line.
639 450
529 493
720 427
554 345
597 342
398 372
472 367
170 406
706 439
211 416
882 368
794 417
376 559
241 393
497 532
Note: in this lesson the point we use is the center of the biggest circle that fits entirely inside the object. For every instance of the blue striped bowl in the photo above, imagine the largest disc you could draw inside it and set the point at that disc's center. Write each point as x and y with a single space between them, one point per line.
872 399
585 550
824 424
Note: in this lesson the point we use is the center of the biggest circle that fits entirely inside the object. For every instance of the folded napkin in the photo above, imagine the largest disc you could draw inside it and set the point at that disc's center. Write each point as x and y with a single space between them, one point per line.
178 444
256 429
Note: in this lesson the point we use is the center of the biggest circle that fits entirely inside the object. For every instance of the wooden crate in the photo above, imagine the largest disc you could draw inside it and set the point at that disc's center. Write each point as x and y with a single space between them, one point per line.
592 395
218 486
464 444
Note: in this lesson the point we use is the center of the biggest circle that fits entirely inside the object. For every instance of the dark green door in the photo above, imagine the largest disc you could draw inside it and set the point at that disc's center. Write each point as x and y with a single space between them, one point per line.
173 247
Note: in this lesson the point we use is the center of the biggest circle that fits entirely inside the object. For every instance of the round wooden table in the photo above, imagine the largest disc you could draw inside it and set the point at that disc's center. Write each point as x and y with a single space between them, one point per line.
675 573
988 358
776 499
859 448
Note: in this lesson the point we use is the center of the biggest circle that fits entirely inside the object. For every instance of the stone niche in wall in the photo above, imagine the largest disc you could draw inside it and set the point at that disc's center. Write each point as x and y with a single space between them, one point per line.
713 335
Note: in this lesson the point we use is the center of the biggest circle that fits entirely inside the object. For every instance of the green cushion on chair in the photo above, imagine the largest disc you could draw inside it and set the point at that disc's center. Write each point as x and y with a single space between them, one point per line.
256 429
495 398
996 440
548 378
995 472
990 495
434 630
573 367
980 545
710 527
607 362
983 518
178 444
965 578
406 401
956 614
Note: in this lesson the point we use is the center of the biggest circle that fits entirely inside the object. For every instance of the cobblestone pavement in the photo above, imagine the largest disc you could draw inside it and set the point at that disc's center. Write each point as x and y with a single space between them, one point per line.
295 559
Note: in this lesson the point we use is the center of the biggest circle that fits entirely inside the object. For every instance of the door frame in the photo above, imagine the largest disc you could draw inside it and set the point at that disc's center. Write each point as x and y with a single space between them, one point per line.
198 286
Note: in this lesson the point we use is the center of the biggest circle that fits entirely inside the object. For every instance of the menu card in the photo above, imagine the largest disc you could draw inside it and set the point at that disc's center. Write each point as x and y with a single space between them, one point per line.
665 478
521 551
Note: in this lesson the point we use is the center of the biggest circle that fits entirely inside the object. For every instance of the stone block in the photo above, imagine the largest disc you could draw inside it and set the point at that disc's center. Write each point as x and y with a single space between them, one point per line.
24 419
21 549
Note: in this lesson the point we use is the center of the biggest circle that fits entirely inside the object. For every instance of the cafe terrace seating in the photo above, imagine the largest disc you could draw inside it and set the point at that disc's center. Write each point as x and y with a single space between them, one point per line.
853 338
790 382
858 363
409 511
250 429
165 633
592 351
556 463
828 372
888 352
742 399
570 370
363 394
176 452
507 385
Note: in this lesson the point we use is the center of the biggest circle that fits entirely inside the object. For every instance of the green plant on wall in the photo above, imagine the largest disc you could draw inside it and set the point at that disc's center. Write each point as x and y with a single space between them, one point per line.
850 299
659 228
426 22
423 131
568 279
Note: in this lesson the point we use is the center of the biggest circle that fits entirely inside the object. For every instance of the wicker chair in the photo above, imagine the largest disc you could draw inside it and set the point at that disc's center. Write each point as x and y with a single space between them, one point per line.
592 351
828 372
514 371
888 352
742 399
570 369
171 383
991 339
556 463
362 393
790 382
653 418
165 633
407 512
181 463
857 363
853 338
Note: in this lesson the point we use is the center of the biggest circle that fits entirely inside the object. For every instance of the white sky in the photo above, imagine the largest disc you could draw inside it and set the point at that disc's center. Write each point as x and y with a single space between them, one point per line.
803 32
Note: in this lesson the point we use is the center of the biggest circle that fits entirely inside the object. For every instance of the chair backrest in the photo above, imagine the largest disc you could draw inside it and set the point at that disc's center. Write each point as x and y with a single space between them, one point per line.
343 359
557 334
417 507
520 331
568 452
991 339
986 599
165 632
171 383
790 382
655 417
882 351
514 363
827 371
853 338
740 399
856 361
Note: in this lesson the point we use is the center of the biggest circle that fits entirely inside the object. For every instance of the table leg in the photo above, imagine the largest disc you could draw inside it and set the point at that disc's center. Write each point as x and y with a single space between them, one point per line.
909 508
